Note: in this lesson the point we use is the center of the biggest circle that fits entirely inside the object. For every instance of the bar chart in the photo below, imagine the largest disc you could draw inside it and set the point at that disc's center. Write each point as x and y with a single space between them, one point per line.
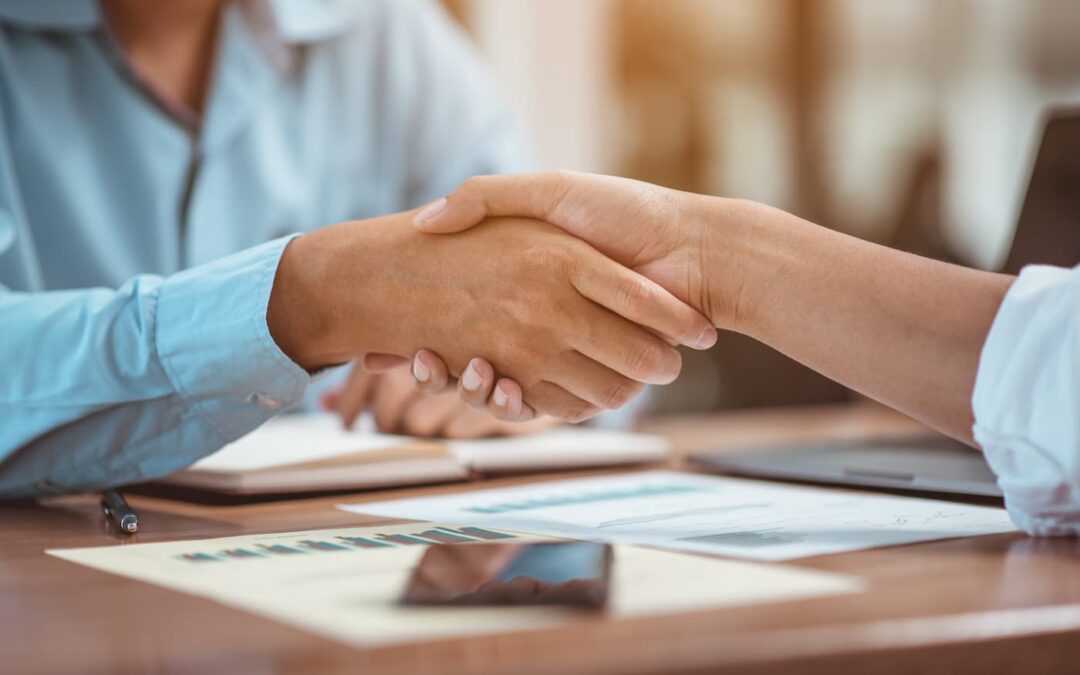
344 543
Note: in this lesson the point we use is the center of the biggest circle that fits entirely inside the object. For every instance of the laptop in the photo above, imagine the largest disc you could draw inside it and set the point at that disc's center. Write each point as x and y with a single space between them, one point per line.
1047 232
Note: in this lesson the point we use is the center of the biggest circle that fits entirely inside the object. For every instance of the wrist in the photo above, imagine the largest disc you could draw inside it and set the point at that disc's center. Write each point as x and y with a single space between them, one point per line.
346 290
296 313
742 246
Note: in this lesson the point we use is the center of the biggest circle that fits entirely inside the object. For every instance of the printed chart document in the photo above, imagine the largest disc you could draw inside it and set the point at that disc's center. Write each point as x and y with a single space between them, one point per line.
708 514
345 583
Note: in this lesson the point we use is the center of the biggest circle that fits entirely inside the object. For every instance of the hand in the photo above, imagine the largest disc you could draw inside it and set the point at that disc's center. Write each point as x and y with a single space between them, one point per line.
555 315
651 229
399 407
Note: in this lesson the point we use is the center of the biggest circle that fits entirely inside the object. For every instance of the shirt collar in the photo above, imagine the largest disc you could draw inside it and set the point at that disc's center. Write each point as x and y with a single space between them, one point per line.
294 21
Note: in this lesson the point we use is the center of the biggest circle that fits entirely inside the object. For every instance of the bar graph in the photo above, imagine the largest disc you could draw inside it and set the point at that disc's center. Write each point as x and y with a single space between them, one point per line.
588 497
344 543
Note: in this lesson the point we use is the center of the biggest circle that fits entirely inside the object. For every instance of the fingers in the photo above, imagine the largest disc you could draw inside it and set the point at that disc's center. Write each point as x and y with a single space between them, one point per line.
477 387
391 399
618 345
551 399
476 383
504 398
592 382
469 423
430 373
507 402
428 416
353 398
534 195
643 302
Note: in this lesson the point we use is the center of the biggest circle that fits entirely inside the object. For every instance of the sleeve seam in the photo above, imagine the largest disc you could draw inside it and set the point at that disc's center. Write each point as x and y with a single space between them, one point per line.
185 397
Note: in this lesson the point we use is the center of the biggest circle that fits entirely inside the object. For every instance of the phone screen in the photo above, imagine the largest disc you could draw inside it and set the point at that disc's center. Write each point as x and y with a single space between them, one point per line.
571 573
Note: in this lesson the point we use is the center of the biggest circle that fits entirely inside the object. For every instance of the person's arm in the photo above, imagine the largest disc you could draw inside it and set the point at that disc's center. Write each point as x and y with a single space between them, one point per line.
105 387
899 328
902 329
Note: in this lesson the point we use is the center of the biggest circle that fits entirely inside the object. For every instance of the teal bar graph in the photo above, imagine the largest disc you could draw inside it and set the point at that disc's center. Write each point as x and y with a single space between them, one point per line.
345 543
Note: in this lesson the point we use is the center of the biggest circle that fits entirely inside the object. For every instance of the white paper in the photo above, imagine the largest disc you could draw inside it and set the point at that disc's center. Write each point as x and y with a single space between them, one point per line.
561 447
708 514
333 583
292 439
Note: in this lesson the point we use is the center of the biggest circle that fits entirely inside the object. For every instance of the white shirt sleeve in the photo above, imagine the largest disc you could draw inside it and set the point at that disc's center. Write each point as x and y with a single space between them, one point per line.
1027 400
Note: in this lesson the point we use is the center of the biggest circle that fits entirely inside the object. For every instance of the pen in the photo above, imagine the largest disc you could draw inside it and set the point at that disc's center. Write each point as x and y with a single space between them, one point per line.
116 507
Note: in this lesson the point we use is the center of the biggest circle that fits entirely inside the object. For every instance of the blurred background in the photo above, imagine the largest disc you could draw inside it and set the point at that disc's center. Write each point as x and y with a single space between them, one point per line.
908 123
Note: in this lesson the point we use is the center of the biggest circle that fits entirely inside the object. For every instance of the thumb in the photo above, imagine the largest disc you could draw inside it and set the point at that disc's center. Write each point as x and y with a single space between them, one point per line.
527 195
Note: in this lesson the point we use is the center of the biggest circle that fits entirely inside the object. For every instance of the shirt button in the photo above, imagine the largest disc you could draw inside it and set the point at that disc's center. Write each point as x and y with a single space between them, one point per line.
267 402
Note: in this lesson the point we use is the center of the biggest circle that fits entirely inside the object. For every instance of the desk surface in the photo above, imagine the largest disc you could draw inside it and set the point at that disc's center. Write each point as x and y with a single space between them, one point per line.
1001 603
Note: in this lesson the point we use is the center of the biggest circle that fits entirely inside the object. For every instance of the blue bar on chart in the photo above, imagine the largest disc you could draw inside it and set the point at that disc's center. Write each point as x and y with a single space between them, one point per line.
323 545
281 549
363 542
401 539
481 533
445 536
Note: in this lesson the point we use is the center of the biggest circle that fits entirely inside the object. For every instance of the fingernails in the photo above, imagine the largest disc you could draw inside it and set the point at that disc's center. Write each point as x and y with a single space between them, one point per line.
420 372
470 379
707 338
499 397
430 211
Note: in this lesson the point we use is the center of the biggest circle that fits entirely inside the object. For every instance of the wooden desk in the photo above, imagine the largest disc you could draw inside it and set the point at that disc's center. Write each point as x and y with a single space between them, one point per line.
1001 603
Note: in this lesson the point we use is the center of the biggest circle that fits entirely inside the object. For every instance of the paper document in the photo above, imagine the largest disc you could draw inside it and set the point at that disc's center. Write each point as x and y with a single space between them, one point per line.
345 583
290 439
562 448
708 514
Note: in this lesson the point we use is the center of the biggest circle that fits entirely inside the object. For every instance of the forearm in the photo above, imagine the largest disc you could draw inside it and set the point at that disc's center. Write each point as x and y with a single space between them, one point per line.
899 328
111 386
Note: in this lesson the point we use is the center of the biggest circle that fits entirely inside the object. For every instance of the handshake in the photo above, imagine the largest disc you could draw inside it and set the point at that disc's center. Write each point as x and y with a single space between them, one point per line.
555 293
564 293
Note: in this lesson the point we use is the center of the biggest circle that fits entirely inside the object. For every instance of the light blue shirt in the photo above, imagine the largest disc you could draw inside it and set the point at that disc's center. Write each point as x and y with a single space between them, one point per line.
138 246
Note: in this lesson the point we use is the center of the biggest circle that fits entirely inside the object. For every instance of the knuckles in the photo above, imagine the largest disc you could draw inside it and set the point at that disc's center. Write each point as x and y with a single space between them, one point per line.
620 393
579 411
645 362
633 292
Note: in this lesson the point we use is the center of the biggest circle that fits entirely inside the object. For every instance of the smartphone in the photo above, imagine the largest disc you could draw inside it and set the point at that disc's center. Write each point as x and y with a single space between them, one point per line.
570 573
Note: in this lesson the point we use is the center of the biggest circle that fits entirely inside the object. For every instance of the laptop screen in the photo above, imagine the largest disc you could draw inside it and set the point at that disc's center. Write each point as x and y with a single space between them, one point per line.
1048 230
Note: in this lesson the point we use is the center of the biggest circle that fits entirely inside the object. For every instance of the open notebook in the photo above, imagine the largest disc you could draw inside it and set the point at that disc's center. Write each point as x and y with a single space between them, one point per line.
303 453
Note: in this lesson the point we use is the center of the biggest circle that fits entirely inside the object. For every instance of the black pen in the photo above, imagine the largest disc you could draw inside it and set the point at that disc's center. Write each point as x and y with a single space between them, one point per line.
116 507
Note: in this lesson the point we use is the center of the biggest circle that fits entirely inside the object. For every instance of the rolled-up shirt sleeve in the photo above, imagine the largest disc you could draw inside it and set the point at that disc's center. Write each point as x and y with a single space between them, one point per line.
105 387
1026 401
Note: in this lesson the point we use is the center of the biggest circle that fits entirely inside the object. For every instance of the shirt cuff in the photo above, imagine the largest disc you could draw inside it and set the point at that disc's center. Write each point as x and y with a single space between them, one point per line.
1024 400
215 346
